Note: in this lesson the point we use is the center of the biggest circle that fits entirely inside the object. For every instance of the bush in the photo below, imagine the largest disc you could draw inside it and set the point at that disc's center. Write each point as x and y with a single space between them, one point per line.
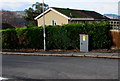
30 37
58 37
9 39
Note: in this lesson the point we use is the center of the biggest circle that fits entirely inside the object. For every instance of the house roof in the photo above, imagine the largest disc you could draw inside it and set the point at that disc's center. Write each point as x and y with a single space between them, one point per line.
50 10
75 14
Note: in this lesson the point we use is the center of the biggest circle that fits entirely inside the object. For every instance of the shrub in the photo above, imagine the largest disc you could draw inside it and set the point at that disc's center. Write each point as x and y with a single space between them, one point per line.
58 37
30 37
9 39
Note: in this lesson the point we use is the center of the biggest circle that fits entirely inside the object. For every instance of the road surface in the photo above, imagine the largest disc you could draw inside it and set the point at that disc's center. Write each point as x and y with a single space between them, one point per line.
49 67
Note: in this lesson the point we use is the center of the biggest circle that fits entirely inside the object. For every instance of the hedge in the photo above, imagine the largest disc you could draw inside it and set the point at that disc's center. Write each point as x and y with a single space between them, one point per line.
9 39
57 37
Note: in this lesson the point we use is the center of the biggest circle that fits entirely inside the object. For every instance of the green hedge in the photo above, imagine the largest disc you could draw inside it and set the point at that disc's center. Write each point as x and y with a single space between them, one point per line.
9 39
58 37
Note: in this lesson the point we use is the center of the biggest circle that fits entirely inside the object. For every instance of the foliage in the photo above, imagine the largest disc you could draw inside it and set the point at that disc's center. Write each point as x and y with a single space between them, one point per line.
6 26
8 17
13 18
9 39
30 37
33 12
58 37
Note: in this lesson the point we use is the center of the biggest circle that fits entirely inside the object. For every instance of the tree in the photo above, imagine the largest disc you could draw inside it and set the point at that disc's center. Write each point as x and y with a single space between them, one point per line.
8 17
34 11
39 7
12 19
6 26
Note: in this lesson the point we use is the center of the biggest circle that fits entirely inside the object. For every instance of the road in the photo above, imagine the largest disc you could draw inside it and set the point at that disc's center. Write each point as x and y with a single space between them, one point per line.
46 67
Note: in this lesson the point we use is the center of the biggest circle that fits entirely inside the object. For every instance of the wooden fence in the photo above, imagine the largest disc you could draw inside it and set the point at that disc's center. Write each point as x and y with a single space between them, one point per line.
115 37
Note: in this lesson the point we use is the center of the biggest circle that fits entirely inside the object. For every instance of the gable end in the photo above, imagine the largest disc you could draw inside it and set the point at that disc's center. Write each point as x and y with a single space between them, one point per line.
51 9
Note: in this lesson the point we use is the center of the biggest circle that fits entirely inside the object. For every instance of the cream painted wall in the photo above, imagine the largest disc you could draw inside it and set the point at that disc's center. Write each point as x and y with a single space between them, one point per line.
52 16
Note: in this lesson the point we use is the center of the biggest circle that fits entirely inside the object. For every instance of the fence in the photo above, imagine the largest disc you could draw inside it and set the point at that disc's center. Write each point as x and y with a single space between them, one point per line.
115 23
115 36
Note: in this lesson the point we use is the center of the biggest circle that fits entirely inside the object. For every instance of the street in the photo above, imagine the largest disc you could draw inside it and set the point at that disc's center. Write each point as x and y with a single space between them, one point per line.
46 67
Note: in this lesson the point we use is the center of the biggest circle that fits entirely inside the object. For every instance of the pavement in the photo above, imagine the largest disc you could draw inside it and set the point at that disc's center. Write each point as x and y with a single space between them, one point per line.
68 54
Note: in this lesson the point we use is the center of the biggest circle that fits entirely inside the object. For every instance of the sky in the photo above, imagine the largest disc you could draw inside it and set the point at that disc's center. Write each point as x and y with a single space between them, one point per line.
100 6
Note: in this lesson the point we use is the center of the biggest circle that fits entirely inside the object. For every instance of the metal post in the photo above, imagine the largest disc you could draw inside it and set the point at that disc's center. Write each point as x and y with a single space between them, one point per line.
44 28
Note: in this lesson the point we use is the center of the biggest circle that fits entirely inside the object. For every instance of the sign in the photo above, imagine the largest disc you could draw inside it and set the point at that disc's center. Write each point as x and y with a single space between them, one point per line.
84 38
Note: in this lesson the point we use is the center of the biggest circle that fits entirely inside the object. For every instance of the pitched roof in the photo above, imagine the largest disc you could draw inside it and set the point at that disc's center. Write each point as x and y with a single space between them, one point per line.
51 9
74 13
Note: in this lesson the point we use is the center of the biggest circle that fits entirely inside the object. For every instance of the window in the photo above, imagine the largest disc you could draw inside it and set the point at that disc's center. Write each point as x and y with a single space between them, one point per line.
54 22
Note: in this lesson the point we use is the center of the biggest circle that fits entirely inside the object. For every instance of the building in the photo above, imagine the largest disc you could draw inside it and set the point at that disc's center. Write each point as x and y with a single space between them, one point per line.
60 16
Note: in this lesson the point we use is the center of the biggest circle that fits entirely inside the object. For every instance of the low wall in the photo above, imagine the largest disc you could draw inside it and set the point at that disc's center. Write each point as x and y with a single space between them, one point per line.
115 37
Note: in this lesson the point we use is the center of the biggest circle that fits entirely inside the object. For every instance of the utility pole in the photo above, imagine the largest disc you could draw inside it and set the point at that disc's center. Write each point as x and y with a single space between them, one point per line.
44 35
